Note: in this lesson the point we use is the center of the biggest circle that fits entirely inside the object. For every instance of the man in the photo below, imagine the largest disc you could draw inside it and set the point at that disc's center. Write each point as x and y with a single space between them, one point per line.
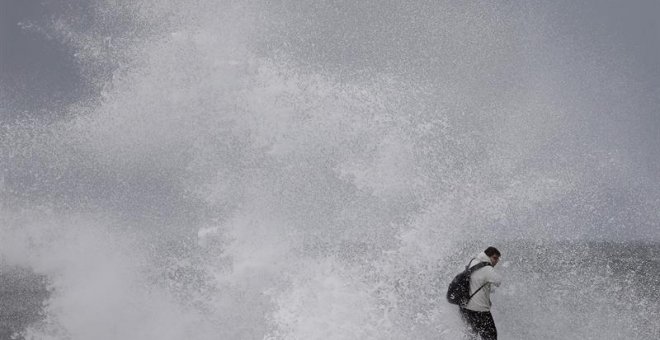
476 313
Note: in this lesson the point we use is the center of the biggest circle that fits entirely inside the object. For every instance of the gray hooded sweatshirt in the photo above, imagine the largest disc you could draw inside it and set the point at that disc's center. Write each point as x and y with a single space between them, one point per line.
480 302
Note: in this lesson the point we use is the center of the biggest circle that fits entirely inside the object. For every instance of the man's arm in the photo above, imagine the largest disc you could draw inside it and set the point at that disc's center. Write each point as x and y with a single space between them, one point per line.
493 278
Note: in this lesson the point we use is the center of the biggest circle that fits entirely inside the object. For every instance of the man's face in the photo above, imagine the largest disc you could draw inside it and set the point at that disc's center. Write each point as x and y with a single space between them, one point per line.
494 259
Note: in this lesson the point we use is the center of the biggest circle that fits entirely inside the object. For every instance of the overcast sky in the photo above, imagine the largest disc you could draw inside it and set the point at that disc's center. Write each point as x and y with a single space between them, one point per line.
619 97
33 65
36 72
40 76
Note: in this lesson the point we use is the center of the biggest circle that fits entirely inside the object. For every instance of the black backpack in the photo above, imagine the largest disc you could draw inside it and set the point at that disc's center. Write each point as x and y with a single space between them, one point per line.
459 288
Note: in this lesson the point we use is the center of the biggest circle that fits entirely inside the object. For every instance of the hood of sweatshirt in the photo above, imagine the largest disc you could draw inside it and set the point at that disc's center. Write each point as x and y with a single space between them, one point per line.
482 257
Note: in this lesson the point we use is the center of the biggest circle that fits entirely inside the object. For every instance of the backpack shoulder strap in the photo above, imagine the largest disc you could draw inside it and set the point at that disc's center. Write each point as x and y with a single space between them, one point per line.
467 267
476 266
473 269
477 291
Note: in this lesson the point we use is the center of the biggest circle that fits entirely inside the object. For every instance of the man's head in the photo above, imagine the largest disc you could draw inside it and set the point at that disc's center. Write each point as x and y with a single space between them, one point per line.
493 254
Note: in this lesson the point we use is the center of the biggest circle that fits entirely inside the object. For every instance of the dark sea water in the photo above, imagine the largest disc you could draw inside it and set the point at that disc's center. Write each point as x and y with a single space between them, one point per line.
22 297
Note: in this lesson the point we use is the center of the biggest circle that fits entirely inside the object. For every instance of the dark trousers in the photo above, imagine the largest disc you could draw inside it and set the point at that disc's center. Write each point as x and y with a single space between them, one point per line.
479 323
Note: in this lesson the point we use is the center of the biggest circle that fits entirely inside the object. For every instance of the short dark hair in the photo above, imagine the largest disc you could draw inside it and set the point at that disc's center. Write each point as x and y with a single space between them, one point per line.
490 251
